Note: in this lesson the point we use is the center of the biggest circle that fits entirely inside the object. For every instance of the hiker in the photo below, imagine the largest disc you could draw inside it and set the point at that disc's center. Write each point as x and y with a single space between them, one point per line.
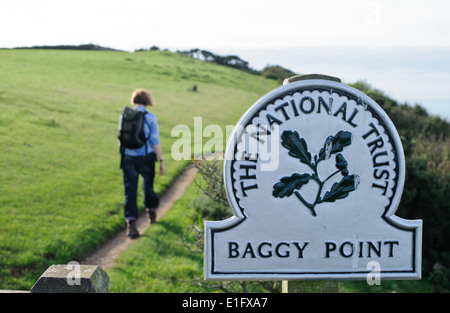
141 160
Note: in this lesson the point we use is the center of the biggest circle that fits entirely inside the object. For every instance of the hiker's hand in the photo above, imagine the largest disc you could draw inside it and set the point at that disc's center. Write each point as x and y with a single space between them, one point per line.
162 168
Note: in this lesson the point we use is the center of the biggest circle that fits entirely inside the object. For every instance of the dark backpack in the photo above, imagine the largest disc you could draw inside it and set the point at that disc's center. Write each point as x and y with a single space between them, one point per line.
131 133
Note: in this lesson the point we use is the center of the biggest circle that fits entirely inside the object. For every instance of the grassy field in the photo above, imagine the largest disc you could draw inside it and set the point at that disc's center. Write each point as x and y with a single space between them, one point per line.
60 184
166 258
169 256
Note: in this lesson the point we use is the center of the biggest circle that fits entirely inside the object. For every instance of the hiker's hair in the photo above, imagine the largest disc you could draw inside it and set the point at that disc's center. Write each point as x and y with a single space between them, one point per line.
141 96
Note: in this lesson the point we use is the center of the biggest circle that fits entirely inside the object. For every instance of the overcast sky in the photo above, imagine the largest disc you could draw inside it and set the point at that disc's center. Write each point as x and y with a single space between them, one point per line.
394 44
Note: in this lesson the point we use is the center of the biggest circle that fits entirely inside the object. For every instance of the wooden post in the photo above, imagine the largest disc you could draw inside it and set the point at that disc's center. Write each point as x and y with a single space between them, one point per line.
295 286
310 76
325 286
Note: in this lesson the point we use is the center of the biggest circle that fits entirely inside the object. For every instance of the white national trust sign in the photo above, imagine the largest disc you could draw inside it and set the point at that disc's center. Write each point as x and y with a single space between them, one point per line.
314 172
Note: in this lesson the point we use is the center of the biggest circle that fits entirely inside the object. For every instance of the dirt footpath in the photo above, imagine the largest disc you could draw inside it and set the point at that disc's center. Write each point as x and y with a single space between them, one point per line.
105 255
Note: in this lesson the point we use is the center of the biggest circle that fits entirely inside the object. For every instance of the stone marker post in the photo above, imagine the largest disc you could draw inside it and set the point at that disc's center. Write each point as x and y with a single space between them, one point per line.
72 279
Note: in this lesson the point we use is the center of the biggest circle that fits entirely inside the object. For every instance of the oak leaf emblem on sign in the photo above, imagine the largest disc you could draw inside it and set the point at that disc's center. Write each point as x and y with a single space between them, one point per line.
298 149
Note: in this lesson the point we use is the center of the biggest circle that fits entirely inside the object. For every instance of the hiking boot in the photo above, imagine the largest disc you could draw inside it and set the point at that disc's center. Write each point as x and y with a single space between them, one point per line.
152 215
132 230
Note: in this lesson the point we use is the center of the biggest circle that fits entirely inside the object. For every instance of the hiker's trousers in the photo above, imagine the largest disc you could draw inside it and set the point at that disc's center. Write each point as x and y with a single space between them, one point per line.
133 166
